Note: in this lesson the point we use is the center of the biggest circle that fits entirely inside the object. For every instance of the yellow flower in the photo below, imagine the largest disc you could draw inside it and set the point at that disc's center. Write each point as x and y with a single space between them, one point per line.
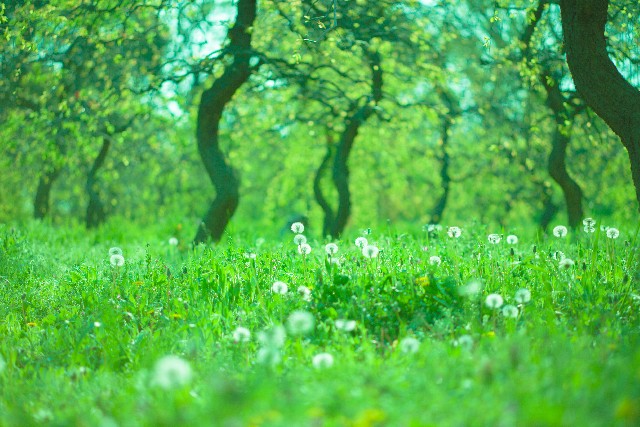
370 417
489 334
423 281
32 324
176 316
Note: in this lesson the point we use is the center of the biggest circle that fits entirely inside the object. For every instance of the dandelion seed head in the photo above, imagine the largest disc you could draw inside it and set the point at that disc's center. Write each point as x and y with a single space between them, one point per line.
345 325
304 292
464 341
299 239
115 251
361 242
241 335
560 231
558 255
172 372
322 361
613 233
279 287
474 287
297 227
300 322
589 229
116 260
273 337
435 260
512 239
269 356
331 248
97 324
370 251
409 345
510 311
566 263
494 301
304 249
454 232
589 222
173 241
523 296
494 238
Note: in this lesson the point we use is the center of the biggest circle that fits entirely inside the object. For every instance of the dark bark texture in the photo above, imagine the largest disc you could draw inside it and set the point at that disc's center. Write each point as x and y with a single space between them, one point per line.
41 203
557 165
340 171
317 189
212 104
96 213
597 80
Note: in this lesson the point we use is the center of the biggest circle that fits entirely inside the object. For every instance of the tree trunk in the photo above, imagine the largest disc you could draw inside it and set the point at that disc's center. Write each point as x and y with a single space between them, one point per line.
327 224
212 104
557 158
445 178
41 203
597 80
340 172
96 214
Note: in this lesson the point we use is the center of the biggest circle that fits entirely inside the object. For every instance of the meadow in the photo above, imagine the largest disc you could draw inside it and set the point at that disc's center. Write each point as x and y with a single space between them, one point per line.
444 326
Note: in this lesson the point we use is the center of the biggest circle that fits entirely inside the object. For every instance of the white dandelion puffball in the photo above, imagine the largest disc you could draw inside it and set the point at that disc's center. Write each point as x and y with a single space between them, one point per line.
472 288
304 249
115 251
464 342
510 311
299 239
297 227
241 334
560 231
269 356
172 372
279 287
589 222
322 361
300 322
173 241
435 260
116 260
613 233
589 229
304 292
558 255
273 337
494 238
454 232
361 242
512 239
331 248
494 301
566 263
370 251
409 345
523 296
345 325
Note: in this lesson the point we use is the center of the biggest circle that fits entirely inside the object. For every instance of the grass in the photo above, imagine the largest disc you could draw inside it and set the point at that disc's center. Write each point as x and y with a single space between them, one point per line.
82 340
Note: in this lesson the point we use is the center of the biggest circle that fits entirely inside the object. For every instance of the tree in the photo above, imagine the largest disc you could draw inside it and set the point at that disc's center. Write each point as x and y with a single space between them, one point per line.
212 105
596 77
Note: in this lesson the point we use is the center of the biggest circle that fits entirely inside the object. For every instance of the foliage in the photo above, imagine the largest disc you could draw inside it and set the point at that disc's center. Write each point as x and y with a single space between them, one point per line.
77 326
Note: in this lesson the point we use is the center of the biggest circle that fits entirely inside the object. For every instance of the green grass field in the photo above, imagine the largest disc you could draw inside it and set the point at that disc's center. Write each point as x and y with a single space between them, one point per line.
432 330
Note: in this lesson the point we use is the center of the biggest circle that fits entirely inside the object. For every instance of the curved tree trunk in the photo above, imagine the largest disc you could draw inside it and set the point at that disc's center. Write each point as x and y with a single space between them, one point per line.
558 171
557 166
445 178
212 104
327 224
597 80
41 203
96 214
340 172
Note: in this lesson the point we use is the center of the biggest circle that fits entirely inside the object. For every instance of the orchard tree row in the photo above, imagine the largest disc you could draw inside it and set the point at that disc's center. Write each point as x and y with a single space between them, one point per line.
413 110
